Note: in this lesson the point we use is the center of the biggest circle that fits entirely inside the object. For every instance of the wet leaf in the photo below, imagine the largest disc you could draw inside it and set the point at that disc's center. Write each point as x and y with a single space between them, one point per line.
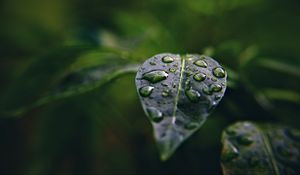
249 148
182 91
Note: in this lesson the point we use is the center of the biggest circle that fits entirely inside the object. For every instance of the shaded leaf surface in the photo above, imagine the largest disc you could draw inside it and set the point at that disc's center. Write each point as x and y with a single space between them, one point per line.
71 73
260 149
177 94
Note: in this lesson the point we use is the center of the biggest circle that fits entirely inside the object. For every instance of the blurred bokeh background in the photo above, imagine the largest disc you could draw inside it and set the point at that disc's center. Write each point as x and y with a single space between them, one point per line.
104 130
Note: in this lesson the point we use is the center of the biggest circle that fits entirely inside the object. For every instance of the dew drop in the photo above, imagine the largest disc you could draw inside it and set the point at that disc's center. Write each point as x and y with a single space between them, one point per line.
191 126
155 115
201 63
155 76
173 70
164 84
230 153
202 57
219 72
230 131
213 79
216 87
218 97
199 77
245 140
152 63
146 91
207 91
193 95
167 59
165 93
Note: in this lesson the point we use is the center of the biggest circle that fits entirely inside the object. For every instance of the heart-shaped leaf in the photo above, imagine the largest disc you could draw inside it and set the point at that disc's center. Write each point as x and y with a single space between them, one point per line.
260 149
177 94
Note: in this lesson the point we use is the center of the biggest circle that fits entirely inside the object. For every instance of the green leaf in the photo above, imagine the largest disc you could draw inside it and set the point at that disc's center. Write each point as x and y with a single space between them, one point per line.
177 94
249 148
76 75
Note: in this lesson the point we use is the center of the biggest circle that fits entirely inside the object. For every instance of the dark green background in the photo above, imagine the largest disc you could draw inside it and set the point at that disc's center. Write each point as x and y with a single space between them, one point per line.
105 131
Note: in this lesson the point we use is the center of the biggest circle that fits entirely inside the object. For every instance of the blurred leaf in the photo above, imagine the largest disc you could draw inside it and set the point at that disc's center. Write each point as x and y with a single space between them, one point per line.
260 149
40 75
275 65
81 74
177 94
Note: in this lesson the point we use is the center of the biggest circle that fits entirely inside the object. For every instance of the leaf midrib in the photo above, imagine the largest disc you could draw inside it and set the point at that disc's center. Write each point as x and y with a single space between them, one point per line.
270 154
178 89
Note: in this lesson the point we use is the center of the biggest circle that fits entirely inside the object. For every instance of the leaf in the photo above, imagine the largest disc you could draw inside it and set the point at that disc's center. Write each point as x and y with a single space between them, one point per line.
177 94
81 74
249 148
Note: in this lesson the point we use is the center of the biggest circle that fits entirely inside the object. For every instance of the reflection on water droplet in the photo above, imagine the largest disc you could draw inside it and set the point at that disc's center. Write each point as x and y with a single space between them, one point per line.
207 91
165 93
172 70
219 72
200 63
155 76
152 63
193 95
146 91
167 59
216 87
245 140
191 126
155 115
199 77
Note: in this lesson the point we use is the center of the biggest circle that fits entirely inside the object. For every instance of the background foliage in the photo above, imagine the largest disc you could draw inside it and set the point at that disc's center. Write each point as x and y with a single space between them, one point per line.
51 47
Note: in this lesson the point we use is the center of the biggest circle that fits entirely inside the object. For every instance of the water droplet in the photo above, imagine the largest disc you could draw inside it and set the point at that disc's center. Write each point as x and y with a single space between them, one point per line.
164 84
152 63
155 115
216 87
146 91
187 84
200 63
167 59
230 131
213 79
218 97
191 126
174 85
155 76
165 93
172 69
207 91
199 77
193 95
229 154
188 73
245 140
219 72
202 57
